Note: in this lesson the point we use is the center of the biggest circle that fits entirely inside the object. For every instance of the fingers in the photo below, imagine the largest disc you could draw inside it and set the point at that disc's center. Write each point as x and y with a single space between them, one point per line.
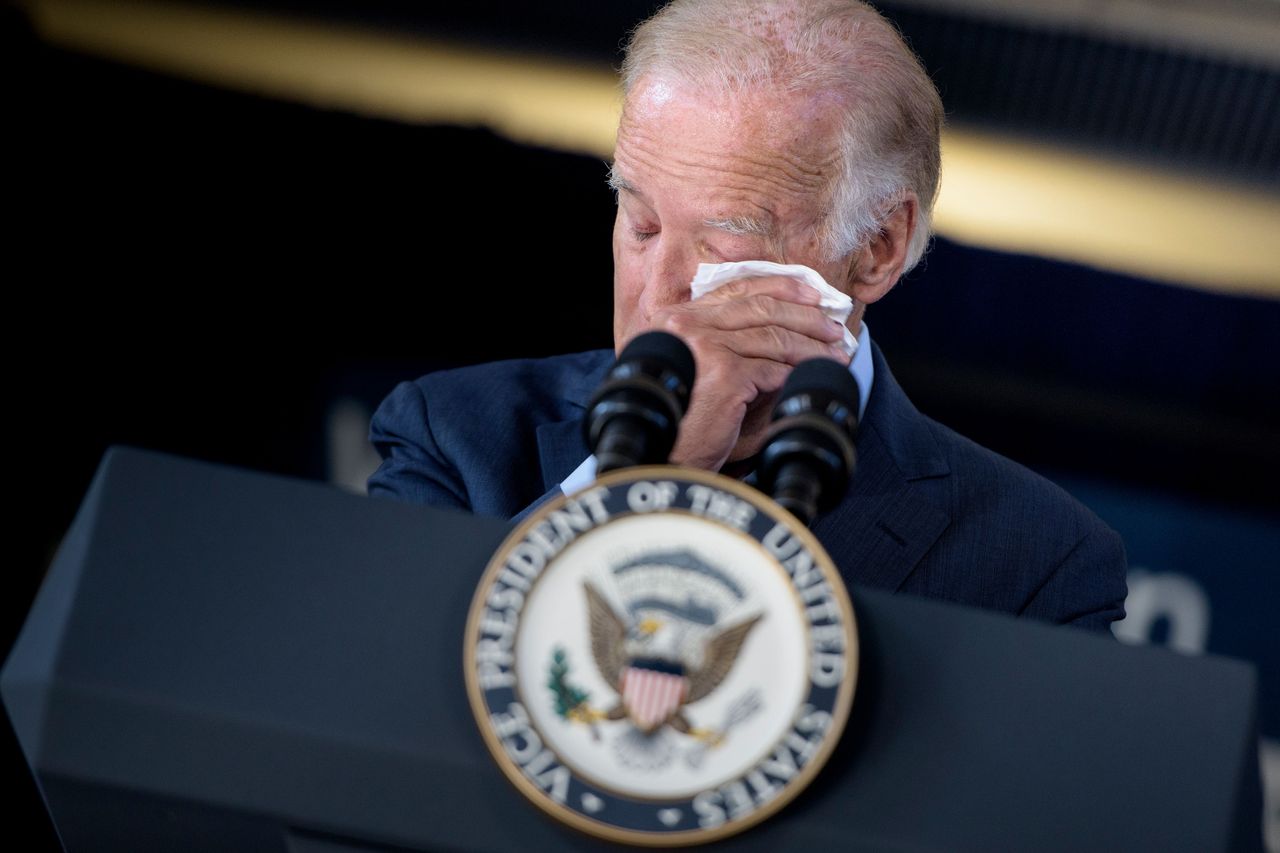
779 345
756 327
765 301
760 310
761 375
776 286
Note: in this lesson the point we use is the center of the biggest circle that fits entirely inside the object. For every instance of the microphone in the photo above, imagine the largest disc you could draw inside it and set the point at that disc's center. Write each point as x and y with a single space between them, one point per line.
808 455
633 417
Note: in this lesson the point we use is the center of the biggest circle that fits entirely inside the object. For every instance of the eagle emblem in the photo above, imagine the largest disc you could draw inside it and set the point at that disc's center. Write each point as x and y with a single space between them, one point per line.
674 641
655 675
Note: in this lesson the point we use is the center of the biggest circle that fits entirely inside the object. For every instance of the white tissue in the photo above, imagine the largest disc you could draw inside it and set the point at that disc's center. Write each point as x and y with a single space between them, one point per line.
834 304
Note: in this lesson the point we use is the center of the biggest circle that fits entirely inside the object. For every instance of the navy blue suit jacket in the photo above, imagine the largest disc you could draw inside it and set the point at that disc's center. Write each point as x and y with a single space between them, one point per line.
929 512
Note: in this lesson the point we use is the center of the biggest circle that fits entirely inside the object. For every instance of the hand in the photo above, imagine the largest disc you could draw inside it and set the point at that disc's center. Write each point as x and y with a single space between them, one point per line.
745 337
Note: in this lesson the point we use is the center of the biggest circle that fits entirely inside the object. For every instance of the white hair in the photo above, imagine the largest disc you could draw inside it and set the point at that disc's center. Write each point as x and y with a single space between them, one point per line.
842 49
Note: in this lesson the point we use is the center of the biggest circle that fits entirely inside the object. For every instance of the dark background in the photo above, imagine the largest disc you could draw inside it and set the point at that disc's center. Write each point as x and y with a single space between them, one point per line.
206 273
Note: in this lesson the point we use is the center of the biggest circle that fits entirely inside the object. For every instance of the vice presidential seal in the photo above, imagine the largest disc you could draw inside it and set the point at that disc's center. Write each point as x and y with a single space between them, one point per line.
665 658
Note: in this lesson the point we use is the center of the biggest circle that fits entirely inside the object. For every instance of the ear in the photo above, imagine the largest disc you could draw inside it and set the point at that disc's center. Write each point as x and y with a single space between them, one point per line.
878 266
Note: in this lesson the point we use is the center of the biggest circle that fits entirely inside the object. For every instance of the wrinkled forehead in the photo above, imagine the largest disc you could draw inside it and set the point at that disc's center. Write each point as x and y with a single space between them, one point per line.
792 122
787 140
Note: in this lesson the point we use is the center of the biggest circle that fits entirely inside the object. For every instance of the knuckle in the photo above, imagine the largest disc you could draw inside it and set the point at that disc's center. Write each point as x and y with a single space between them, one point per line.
761 310
772 377
676 322
777 339
728 375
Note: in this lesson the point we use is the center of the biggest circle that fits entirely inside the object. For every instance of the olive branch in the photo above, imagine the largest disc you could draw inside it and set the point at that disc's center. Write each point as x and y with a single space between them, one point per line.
571 701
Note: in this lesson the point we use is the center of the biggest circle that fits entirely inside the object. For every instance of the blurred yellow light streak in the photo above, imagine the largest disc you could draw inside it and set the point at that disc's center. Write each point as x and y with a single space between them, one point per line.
1025 197
557 104
997 192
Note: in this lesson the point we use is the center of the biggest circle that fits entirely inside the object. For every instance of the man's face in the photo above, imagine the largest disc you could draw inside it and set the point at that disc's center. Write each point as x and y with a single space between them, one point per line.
705 181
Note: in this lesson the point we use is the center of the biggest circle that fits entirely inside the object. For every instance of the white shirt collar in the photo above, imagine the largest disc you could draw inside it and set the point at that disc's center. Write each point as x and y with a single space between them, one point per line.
863 369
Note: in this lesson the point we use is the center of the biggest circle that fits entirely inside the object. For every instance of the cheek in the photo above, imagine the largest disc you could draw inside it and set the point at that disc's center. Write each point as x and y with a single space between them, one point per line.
837 273
628 286
619 238
628 283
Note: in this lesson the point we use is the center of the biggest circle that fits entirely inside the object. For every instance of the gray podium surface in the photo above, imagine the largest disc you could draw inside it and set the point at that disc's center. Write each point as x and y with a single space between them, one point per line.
225 660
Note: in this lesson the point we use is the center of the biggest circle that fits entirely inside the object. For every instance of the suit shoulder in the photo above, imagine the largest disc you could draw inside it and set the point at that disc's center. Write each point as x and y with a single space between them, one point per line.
986 482
467 437
538 386
1019 543
556 377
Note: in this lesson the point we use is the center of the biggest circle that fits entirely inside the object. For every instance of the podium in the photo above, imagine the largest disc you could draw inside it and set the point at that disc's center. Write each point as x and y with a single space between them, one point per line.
225 660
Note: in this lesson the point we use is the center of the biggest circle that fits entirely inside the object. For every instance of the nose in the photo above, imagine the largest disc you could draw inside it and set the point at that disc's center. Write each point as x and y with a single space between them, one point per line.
667 276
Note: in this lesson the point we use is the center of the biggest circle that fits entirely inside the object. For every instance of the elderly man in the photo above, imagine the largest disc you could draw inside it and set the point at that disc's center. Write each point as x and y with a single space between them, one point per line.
801 132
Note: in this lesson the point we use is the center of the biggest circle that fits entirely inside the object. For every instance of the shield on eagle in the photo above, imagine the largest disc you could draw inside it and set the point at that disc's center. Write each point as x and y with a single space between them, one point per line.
652 696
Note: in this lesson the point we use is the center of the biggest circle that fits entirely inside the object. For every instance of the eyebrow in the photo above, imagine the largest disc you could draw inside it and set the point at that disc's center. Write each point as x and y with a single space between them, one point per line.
617 183
741 226
738 226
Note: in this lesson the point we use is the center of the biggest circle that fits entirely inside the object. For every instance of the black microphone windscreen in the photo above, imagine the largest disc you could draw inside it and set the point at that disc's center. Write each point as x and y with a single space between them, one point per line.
664 348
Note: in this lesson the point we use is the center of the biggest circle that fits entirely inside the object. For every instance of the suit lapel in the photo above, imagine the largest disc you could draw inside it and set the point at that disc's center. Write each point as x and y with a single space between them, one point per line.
561 446
885 524
561 449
